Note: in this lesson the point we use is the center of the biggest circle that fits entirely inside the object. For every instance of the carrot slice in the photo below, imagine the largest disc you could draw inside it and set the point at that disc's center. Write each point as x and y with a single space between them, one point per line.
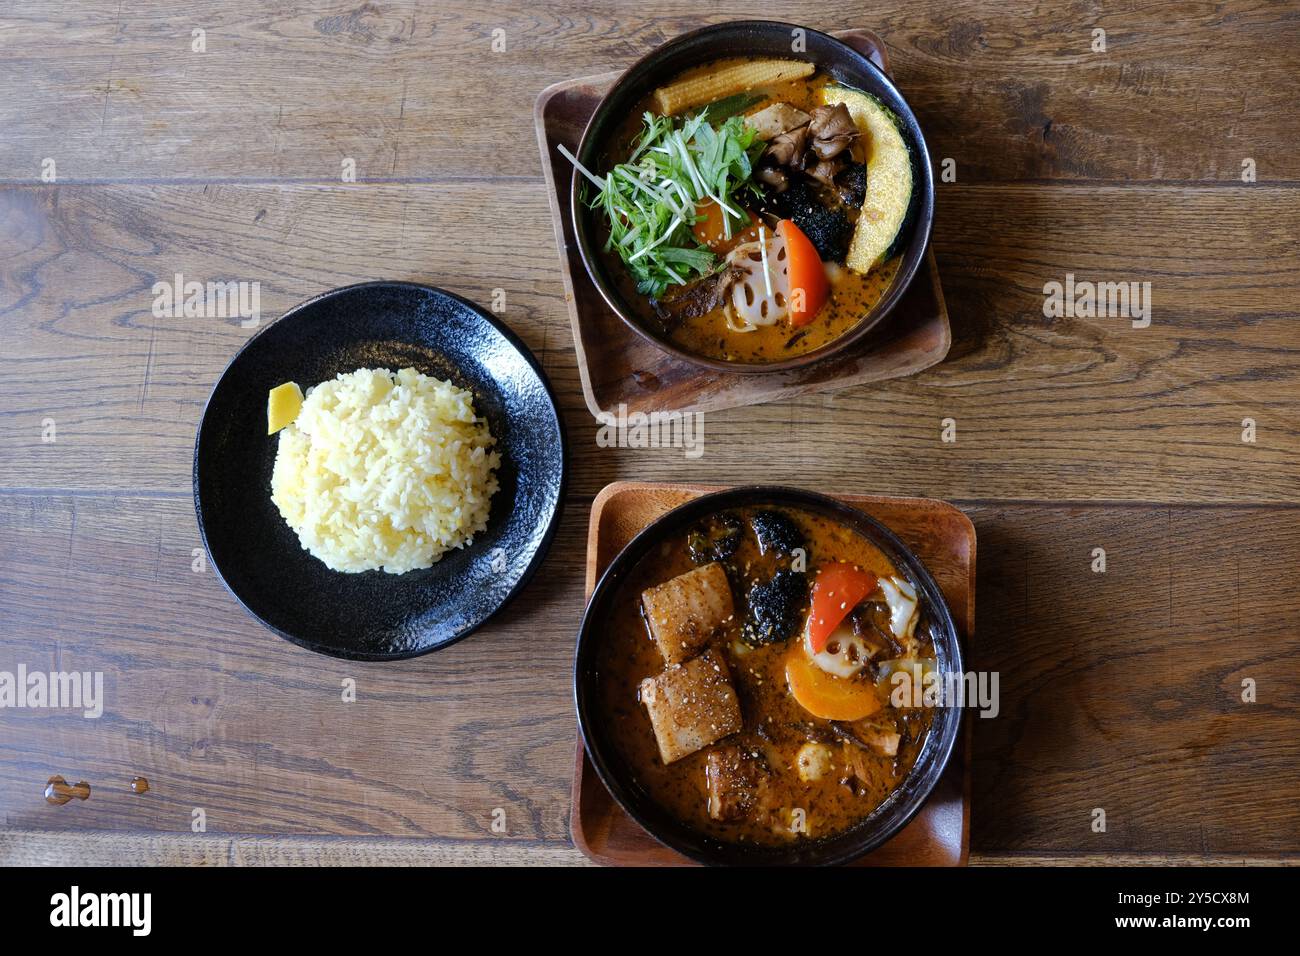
825 695
809 287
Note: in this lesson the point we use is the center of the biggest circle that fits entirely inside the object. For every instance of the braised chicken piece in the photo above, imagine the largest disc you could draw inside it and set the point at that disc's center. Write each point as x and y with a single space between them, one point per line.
694 299
737 780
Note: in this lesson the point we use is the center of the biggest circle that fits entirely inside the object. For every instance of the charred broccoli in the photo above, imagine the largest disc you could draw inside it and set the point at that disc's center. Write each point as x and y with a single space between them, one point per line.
775 532
715 540
829 230
776 608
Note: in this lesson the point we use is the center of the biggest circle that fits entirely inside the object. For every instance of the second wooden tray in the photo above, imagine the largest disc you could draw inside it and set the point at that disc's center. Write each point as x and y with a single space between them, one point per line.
618 367
940 535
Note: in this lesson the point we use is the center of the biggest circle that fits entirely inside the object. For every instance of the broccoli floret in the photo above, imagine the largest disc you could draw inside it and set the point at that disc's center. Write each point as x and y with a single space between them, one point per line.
775 532
775 608
825 223
829 230
715 540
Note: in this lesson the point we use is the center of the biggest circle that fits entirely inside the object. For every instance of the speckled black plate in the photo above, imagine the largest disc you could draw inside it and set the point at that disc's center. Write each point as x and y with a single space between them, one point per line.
373 615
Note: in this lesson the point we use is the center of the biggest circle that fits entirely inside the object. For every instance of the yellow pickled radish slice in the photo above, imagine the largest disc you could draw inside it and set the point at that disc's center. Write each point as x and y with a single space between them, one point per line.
283 403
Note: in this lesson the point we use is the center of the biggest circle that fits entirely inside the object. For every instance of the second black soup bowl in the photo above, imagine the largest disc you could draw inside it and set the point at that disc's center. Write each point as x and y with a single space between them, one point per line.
874 829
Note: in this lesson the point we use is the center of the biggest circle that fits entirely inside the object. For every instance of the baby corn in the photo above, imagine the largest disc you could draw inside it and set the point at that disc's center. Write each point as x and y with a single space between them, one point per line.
729 80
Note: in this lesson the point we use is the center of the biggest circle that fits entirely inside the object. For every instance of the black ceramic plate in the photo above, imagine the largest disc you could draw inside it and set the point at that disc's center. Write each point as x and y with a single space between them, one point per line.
617 775
374 615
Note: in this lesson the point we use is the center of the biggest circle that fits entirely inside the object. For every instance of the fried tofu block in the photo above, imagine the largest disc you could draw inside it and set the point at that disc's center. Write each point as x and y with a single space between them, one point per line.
737 780
691 705
685 611
883 740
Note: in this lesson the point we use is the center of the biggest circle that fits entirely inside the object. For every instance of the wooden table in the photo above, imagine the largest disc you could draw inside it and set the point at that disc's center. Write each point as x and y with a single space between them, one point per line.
1120 691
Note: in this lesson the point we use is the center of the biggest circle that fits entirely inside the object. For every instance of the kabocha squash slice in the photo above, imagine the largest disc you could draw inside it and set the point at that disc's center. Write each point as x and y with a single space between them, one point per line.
890 183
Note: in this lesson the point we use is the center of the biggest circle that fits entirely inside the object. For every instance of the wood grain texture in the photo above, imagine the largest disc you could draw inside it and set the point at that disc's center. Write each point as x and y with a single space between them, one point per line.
1184 92
1124 691
1033 398
219 713
1119 691
57 848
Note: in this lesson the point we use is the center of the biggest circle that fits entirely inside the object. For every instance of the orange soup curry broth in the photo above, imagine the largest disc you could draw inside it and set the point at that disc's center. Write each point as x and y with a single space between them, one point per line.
852 295
779 799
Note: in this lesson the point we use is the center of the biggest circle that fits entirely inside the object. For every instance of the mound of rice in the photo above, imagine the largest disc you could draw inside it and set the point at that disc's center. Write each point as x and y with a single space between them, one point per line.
385 470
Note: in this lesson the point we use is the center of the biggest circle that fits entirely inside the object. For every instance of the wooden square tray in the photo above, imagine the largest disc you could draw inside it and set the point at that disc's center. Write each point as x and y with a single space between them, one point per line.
940 535
618 367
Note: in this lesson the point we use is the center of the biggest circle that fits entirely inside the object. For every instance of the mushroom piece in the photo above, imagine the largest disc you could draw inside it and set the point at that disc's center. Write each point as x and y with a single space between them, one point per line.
787 149
852 185
773 176
826 170
832 130
772 121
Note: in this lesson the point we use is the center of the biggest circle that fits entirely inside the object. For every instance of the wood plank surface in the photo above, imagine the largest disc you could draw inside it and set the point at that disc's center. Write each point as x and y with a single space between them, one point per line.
1184 91
1029 395
61 848
1123 691
1120 691
219 713
58 848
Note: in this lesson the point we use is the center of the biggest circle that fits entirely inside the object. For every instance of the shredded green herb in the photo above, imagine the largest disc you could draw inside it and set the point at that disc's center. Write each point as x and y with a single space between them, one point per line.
651 200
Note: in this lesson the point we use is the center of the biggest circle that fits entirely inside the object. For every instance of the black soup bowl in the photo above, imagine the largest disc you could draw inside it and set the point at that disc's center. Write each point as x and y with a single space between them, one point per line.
756 38
373 615
614 771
